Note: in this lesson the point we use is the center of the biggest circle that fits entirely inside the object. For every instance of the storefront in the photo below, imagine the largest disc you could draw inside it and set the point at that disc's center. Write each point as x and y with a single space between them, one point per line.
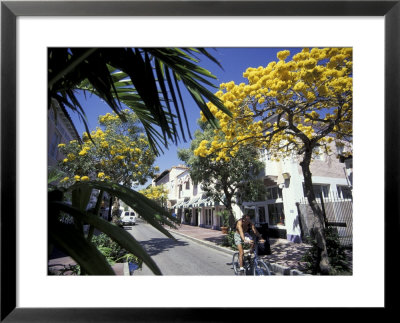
267 214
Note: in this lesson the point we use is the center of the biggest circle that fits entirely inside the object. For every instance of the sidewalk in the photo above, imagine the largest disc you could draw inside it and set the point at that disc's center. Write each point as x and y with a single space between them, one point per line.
59 262
285 258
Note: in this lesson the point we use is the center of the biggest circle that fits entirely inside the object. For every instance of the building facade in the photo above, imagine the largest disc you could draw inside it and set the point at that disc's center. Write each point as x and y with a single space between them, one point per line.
279 210
284 183
60 129
187 200
168 178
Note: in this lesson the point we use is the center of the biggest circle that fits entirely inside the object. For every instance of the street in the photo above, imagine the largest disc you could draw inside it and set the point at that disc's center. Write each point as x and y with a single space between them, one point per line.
181 256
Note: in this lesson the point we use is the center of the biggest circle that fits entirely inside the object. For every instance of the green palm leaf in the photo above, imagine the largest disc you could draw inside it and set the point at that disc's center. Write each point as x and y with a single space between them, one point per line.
127 76
79 248
128 96
123 238
71 241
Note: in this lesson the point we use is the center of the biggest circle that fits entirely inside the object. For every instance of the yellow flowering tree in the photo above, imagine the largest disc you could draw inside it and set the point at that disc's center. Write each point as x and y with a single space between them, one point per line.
227 181
157 193
292 107
116 151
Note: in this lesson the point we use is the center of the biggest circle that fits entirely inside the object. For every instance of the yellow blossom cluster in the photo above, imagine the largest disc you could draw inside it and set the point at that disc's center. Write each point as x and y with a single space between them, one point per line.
117 151
112 117
77 178
285 102
102 176
155 192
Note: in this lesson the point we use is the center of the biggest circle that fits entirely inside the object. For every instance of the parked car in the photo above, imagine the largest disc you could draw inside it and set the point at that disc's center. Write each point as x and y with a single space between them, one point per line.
128 218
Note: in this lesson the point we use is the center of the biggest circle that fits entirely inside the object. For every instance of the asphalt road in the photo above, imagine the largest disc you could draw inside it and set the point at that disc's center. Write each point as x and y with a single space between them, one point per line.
181 256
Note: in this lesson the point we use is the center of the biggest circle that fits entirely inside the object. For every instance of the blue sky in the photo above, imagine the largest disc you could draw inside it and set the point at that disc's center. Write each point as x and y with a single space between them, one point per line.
234 62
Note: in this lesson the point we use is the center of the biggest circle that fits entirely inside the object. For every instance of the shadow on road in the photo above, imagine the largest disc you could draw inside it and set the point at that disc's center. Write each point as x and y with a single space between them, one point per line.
217 240
158 245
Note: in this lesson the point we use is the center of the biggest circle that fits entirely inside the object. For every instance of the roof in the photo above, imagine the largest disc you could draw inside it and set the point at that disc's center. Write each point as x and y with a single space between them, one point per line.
165 172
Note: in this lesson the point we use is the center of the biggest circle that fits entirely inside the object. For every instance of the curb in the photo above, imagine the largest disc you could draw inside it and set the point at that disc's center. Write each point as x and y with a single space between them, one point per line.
208 244
126 269
285 271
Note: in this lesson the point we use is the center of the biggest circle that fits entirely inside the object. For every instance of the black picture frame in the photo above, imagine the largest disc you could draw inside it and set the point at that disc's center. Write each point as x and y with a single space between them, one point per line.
10 10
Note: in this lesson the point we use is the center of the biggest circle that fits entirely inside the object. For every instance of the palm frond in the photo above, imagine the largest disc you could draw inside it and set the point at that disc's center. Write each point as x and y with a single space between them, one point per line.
139 78
70 238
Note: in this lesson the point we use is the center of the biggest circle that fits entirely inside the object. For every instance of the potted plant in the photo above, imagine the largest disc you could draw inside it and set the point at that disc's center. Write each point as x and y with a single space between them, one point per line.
224 221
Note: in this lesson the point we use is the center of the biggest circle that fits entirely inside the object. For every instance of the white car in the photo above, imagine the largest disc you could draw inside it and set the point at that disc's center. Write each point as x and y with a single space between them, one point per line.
128 218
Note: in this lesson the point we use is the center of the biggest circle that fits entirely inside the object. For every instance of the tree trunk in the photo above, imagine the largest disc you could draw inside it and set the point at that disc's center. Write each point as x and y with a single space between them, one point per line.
319 225
115 211
228 206
232 218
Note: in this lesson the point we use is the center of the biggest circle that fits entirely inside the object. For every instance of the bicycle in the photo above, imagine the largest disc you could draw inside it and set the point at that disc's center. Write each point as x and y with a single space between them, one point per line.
252 265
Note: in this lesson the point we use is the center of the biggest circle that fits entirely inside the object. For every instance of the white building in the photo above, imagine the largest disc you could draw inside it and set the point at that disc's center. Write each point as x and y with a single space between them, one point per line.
187 200
168 178
284 190
284 183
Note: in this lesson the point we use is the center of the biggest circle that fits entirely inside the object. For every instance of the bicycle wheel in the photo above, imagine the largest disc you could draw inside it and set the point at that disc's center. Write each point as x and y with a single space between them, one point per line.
248 265
261 269
235 263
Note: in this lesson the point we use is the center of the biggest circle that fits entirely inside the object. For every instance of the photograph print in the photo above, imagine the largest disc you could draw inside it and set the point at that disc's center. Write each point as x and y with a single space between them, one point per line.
200 161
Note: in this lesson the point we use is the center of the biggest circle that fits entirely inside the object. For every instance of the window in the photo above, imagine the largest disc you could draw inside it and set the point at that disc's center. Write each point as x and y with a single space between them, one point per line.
273 193
250 212
275 214
319 153
319 190
180 191
266 154
187 185
339 149
261 214
344 192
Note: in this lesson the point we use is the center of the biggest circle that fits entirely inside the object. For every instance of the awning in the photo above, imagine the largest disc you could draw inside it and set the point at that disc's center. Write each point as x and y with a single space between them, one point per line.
193 202
200 202
208 201
190 203
179 204
205 201
183 204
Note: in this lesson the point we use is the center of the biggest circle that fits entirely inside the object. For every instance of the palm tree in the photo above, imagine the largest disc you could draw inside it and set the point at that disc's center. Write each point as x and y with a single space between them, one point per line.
148 81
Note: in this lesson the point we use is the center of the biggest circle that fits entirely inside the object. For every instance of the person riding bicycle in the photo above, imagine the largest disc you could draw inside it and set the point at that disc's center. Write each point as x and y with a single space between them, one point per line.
244 228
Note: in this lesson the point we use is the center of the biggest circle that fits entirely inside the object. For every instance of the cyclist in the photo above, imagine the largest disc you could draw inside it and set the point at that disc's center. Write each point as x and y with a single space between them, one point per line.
245 233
